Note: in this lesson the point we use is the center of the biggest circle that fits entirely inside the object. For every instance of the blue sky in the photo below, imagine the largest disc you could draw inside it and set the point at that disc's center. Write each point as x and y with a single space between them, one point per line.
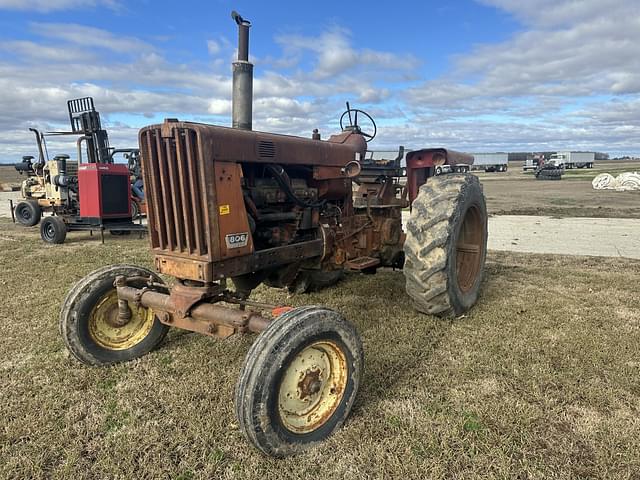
482 75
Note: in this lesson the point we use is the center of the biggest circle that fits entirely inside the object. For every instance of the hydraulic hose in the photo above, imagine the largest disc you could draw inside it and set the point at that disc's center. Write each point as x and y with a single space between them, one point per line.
285 183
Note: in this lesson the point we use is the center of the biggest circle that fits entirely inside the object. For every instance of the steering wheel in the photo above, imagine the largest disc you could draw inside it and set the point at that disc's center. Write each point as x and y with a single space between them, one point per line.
353 122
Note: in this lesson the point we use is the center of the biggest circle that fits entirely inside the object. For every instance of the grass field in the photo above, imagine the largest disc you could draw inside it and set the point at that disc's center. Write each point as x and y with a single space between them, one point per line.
540 380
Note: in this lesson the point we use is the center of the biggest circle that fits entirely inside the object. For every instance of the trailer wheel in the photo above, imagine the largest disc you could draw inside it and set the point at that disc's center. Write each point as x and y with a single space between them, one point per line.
28 213
89 325
299 381
53 230
446 245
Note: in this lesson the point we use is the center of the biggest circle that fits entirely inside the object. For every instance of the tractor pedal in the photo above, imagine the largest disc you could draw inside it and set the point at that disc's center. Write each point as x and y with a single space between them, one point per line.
361 263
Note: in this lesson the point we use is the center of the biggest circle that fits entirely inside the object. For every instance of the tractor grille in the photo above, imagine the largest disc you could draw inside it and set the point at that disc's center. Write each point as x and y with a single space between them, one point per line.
174 178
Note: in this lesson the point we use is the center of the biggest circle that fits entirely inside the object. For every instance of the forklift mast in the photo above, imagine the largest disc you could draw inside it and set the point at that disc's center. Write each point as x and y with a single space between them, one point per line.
104 188
85 120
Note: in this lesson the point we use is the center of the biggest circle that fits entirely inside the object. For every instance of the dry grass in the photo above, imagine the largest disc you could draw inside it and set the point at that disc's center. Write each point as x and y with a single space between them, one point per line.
519 193
540 380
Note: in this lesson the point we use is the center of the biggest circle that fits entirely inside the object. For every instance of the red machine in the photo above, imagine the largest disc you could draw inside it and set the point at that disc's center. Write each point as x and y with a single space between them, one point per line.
101 189
104 191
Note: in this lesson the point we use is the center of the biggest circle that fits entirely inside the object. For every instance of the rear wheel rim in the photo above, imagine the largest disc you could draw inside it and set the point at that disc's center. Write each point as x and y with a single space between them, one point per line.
312 387
469 249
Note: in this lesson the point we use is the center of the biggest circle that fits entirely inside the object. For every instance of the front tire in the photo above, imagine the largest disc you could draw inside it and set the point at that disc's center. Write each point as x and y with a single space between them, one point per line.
446 245
53 230
88 315
299 381
28 213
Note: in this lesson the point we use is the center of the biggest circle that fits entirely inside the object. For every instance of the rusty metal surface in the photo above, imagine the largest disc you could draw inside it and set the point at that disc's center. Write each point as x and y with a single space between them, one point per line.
425 156
232 213
178 187
202 317
267 258
235 145
193 176
420 163
469 248
377 234
205 271
361 263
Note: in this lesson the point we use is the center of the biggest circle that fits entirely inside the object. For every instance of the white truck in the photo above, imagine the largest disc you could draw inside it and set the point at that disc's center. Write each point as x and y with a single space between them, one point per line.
491 162
573 159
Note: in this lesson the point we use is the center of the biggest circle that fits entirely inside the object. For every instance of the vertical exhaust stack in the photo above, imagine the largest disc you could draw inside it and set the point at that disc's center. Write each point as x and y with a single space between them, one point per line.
242 98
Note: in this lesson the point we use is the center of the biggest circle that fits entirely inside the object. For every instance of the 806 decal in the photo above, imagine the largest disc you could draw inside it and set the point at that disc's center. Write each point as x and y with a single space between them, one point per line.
237 240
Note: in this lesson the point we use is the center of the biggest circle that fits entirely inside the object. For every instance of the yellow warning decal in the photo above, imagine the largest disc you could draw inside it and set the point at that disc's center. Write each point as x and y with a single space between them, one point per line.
225 210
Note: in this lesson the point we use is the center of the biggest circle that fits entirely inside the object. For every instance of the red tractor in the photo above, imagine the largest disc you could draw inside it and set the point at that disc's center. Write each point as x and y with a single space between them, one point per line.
231 208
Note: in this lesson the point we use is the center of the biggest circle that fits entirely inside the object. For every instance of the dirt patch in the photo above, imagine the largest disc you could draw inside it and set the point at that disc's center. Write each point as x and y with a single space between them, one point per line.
8 174
540 380
519 193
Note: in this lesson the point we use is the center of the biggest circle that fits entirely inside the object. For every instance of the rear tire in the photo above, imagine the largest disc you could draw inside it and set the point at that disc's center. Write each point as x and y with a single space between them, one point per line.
87 310
53 230
285 405
446 245
28 213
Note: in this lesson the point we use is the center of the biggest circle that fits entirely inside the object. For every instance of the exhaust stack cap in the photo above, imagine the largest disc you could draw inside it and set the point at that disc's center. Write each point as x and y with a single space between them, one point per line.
243 36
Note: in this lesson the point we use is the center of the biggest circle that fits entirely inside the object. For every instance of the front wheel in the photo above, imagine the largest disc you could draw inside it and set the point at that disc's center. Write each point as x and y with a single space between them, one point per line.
299 381
446 245
89 322
53 230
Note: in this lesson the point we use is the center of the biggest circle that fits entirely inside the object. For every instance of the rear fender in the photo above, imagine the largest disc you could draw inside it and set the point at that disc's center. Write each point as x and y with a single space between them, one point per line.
420 165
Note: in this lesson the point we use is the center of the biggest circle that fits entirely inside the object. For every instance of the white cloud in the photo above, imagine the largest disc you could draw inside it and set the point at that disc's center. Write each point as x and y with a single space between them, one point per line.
570 78
28 50
218 106
90 37
213 47
336 55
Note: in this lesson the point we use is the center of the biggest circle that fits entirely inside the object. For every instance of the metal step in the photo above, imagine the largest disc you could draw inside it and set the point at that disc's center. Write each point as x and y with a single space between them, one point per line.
361 263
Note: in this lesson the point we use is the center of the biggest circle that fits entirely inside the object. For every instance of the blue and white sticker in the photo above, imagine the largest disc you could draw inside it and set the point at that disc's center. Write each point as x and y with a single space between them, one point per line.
237 240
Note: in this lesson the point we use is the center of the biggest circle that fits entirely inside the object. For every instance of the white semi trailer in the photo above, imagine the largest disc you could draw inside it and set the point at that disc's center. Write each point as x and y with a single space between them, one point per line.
491 162
573 159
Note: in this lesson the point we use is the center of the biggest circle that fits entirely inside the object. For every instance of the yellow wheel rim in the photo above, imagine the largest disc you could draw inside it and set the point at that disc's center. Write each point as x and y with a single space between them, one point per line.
312 387
104 328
